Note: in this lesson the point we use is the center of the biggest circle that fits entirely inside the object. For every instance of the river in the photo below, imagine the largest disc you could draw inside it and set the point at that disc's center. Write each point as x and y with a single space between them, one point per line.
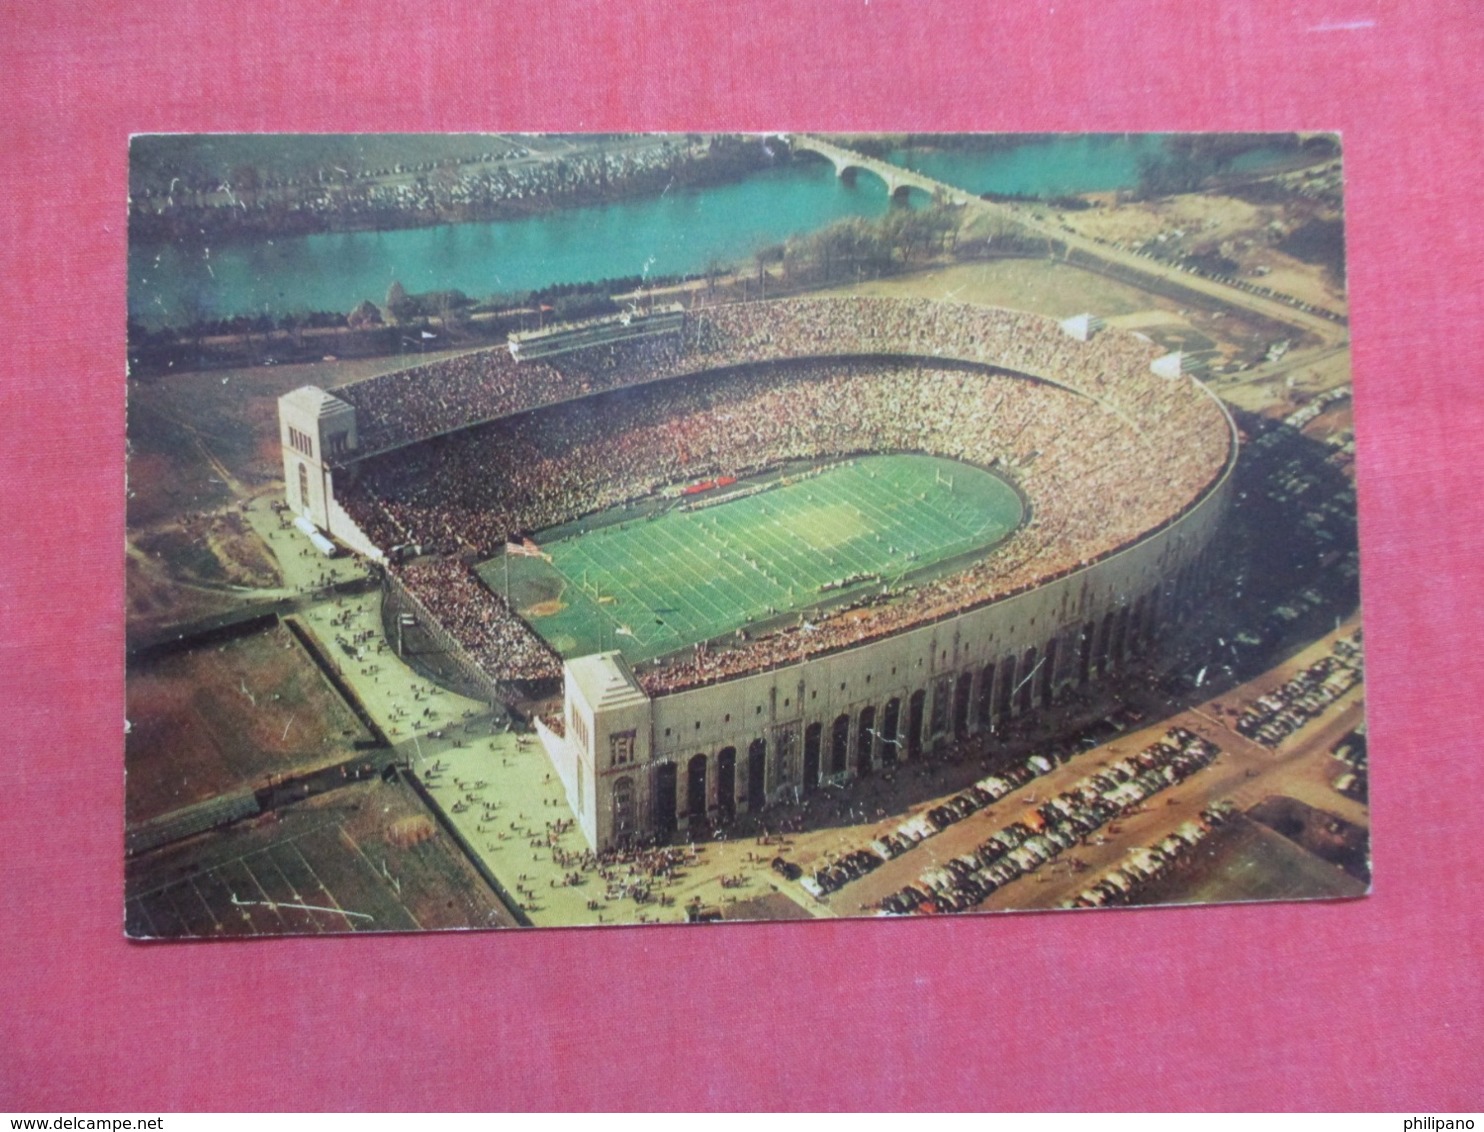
678 232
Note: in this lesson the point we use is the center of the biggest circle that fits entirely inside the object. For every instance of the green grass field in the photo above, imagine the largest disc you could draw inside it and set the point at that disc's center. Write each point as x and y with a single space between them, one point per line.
655 584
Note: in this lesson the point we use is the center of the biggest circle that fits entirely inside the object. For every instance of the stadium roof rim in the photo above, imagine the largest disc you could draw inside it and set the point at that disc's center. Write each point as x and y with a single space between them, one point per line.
606 680
313 399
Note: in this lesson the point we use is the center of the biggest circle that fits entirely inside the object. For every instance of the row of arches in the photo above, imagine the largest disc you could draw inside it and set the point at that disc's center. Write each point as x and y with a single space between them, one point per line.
848 166
855 744
716 785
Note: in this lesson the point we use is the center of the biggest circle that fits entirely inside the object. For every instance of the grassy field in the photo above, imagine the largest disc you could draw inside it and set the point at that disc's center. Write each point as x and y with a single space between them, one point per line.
1060 290
223 717
652 585
333 864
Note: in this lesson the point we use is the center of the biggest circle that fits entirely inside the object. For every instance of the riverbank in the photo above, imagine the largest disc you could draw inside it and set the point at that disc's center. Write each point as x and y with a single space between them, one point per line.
793 212
508 185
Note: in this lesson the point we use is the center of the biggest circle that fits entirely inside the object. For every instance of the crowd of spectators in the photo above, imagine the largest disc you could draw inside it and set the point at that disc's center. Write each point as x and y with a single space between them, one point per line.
812 379
479 620
638 872
415 404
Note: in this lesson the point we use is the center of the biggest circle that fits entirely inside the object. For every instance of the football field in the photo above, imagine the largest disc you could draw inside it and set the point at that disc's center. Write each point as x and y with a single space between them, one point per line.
662 581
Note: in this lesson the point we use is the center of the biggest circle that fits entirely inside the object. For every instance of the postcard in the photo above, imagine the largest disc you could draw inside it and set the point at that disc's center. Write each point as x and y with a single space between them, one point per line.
574 530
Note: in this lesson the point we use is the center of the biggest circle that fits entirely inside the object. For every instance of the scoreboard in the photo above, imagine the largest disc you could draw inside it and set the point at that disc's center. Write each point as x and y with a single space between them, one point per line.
528 345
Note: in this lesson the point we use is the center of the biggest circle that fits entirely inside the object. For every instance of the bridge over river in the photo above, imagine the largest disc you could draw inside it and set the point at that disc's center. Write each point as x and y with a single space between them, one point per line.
899 181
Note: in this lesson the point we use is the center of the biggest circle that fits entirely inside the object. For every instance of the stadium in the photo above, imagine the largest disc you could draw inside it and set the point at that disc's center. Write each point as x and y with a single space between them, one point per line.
756 548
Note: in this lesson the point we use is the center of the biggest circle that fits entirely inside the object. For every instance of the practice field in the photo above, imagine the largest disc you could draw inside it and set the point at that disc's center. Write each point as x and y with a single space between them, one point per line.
224 717
655 584
366 857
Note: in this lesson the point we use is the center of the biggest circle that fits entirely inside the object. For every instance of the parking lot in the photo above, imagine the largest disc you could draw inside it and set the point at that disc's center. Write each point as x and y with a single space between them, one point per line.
1245 772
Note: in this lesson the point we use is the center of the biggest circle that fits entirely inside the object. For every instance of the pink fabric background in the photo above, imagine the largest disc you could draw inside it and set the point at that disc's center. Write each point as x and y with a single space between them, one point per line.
1370 1004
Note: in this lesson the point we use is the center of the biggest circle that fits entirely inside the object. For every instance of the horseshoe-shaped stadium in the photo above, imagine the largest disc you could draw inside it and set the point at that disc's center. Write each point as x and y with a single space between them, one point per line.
760 529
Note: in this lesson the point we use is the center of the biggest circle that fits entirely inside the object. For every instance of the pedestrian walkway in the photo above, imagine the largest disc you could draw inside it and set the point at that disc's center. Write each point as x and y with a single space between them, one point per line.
301 567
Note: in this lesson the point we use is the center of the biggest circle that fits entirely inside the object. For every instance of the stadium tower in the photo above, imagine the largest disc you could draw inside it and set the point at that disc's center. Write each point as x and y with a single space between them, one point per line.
317 431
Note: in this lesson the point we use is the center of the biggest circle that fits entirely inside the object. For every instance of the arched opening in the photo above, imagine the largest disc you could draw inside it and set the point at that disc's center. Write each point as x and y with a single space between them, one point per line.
757 774
1084 653
1120 635
864 740
812 735
1029 672
665 779
914 722
1007 688
961 704
1048 676
840 744
942 703
1105 643
1136 626
695 787
986 695
624 826
901 196
890 719
726 781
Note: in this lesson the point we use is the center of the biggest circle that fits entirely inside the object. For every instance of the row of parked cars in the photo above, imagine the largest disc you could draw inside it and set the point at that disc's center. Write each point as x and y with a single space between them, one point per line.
1351 750
1147 863
1060 823
984 793
1274 717
852 866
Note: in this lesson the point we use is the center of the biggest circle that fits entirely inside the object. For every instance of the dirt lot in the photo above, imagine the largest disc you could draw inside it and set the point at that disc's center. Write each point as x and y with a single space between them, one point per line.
154 598
336 857
199 444
223 717
1211 216
197 440
203 564
1245 860
1320 832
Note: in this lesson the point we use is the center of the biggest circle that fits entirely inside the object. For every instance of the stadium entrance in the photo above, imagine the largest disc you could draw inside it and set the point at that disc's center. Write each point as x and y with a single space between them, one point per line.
664 801
757 770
